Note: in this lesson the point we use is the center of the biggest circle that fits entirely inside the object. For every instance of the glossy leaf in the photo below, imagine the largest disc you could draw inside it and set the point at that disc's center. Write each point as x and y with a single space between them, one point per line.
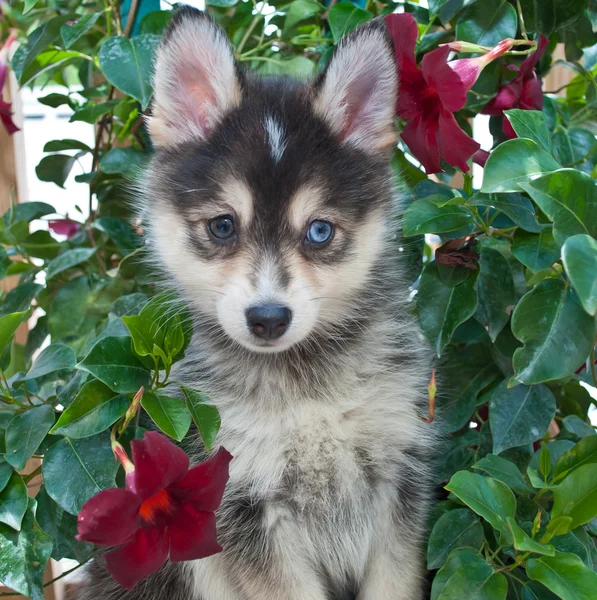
343 17
475 580
585 452
515 206
515 162
95 408
25 433
205 416
565 575
537 251
503 470
442 308
547 319
112 361
56 357
576 496
455 529
519 415
579 254
55 168
76 470
8 326
300 10
69 259
424 216
71 33
128 162
128 65
487 23
25 556
488 497
569 198
530 124
169 414
13 502
524 543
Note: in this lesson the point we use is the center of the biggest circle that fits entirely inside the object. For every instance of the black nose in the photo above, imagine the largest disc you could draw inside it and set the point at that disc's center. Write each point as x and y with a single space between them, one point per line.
268 322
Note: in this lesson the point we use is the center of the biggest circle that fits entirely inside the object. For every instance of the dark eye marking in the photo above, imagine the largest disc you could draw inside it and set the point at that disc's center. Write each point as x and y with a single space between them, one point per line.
222 228
319 233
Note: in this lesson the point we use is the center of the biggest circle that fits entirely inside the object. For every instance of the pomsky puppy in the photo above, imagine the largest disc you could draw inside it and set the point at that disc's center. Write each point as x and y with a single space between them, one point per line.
270 208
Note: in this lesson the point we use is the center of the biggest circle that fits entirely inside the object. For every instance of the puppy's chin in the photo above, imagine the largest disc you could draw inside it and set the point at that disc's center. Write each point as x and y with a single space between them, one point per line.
248 341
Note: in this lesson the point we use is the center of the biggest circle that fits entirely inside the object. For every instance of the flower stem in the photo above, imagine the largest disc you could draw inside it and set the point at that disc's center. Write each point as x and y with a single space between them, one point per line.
523 30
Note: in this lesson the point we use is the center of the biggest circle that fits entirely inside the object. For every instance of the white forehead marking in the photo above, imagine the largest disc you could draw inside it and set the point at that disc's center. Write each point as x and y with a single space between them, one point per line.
275 138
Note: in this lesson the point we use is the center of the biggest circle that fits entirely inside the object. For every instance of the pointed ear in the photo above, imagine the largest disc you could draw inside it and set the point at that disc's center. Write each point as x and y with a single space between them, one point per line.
196 79
356 94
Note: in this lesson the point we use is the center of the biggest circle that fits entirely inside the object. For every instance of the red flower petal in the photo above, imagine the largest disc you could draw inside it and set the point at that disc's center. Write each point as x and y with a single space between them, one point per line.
507 98
531 97
508 129
530 62
449 86
64 227
158 463
141 557
203 486
480 157
110 518
404 31
192 534
420 136
455 147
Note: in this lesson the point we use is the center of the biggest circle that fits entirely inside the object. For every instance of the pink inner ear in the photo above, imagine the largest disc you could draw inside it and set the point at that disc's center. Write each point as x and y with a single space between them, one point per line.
199 98
358 97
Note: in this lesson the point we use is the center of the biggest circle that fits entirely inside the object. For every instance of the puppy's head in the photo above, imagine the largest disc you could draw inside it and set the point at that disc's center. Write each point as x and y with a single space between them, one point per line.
268 198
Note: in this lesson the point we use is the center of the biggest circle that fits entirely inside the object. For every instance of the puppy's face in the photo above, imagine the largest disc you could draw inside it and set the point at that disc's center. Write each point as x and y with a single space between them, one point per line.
269 200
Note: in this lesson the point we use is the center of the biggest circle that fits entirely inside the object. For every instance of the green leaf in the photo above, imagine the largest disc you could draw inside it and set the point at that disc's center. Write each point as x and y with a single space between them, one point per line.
424 216
487 23
545 460
27 211
576 496
13 502
19 299
495 286
41 244
155 22
62 528
25 556
56 100
515 206
524 543
536 480
578 426
37 41
546 320
565 575
128 162
579 254
68 309
128 65
442 308
55 168
76 470
90 113
515 162
6 472
583 453
476 581
95 408
503 470
519 415
575 147
435 5
25 433
205 415
169 414
69 259
569 198
127 240
530 124
488 497
9 325
536 251
56 357
343 17
469 371
112 362
68 144
558 526
299 10
456 561
455 529
71 33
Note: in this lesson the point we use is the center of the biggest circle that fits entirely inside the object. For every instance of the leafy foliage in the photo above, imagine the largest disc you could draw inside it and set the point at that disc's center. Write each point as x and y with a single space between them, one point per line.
506 286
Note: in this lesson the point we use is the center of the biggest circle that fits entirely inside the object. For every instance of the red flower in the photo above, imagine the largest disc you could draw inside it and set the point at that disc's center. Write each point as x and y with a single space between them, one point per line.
5 107
165 511
428 97
64 227
523 92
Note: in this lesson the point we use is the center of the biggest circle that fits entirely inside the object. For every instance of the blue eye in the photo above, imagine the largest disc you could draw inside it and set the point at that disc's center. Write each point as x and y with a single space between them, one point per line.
222 227
320 232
